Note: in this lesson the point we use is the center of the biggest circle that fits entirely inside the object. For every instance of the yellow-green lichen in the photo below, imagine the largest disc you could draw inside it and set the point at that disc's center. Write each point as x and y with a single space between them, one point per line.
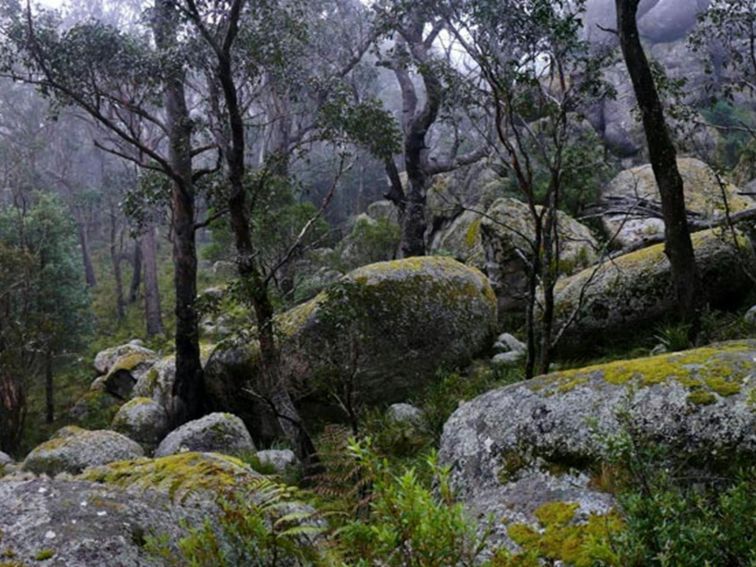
129 362
560 538
472 236
177 475
44 554
716 369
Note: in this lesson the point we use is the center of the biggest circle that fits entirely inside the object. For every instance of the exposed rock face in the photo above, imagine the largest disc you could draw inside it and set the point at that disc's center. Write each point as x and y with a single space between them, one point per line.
405 413
144 420
78 523
703 196
750 316
5 459
440 312
383 210
157 383
124 372
76 449
217 432
461 238
503 446
106 359
280 460
634 290
506 233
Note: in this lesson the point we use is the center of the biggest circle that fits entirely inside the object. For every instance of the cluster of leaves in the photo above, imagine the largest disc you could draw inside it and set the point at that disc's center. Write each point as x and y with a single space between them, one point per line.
264 528
406 522
679 511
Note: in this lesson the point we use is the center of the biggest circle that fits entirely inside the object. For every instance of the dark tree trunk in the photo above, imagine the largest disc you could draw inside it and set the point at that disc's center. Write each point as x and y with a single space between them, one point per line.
678 245
115 260
152 309
86 257
49 388
414 223
136 272
188 387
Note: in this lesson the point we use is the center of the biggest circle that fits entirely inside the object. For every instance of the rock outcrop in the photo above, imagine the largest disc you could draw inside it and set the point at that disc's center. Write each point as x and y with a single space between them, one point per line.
635 290
144 420
517 448
74 449
215 433
507 233
635 188
106 359
408 318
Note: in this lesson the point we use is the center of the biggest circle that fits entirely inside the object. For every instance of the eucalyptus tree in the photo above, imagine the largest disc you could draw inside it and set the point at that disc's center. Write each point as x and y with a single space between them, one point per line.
251 49
663 156
538 76
135 91
414 28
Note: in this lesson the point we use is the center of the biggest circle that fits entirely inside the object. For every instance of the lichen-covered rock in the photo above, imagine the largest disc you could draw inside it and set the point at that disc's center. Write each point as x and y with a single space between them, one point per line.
441 312
124 373
633 290
404 413
95 409
507 232
106 359
214 433
703 196
383 210
370 241
461 239
187 478
282 461
76 523
509 343
157 383
5 459
518 447
79 449
750 316
144 420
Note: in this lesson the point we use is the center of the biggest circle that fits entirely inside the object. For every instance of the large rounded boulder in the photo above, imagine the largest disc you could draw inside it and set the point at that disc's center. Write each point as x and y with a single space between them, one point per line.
394 323
633 190
75 449
507 232
144 420
516 449
634 290
214 433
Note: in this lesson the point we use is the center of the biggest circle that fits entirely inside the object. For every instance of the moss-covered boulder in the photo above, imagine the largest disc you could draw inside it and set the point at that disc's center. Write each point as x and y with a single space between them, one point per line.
507 232
124 373
214 433
77 449
633 188
157 383
106 359
405 319
461 239
95 409
144 420
634 290
522 446
76 523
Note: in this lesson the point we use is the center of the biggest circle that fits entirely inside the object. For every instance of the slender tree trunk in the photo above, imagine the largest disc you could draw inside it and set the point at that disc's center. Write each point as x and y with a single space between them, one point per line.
188 387
49 388
115 260
415 225
678 245
89 272
136 273
152 309
255 286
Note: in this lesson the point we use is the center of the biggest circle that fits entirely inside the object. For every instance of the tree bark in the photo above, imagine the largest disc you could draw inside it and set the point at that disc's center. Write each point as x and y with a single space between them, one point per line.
115 260
188 387
89 272
678 245
136 272
152 309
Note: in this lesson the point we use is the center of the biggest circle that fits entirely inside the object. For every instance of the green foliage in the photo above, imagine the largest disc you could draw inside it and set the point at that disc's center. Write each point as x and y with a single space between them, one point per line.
733 123
407 523
450 388
371 241
264 528
674 337
681 511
